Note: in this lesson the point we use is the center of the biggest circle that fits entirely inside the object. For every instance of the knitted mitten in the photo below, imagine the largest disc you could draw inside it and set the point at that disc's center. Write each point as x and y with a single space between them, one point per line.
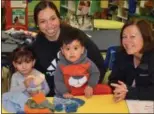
80 102
20 112
59 107
71 107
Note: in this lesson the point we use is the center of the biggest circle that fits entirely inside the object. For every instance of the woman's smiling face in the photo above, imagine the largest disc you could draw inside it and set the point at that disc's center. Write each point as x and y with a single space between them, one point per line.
132 40
48 22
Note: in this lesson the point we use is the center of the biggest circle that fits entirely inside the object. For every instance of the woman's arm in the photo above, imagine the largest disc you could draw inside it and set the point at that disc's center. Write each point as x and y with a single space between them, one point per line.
141 93
95 56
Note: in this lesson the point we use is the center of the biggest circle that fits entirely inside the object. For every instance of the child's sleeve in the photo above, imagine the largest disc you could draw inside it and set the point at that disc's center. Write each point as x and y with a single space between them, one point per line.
16 85
60 87
94 74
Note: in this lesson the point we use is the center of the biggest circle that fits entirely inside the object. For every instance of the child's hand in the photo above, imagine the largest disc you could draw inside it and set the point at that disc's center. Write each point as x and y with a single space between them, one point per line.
88 91
67 95
27 81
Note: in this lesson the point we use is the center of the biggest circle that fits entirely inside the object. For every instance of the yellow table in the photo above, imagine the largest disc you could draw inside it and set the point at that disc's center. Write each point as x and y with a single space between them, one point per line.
107 24
99 104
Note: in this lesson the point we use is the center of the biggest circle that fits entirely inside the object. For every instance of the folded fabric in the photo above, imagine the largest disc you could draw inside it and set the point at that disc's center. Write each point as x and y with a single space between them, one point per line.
14 101
67 105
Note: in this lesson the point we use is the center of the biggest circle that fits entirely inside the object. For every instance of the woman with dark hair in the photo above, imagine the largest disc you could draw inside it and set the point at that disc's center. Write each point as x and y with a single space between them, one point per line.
48 42
132 75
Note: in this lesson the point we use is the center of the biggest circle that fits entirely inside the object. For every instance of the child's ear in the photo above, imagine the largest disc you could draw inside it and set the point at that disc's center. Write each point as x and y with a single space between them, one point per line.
83 50
14 64
34 62
61 50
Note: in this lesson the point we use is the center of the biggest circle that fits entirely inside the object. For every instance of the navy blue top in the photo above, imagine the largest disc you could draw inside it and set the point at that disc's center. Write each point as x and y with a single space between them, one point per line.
124 70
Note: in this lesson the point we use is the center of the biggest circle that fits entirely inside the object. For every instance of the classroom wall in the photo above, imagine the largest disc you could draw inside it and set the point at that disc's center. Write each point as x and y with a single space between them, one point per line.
32 4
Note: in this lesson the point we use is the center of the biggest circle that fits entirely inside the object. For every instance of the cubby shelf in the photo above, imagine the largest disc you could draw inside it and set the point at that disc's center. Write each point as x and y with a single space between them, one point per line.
122 11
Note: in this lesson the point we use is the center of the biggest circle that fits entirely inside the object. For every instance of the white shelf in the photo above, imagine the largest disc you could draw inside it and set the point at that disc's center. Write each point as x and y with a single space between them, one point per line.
122 17
125 5
113 3
66 7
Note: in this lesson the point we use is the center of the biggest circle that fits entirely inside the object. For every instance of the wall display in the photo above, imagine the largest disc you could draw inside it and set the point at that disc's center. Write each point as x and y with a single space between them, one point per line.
17 3
82 22
79 13
18 16
83 7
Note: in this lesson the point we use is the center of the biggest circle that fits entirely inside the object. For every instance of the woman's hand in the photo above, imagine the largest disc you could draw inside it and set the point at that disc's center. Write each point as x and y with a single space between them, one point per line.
67 95
88 92
120 91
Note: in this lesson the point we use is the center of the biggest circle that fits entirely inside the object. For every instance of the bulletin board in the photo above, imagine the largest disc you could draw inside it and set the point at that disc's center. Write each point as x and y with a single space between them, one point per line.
16 14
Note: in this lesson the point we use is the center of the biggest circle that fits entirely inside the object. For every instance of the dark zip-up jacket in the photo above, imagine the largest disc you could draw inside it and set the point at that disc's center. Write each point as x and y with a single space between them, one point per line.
124 70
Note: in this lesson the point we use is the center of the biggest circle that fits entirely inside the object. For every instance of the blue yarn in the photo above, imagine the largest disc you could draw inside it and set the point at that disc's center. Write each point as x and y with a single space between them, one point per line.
71 107
20 112
79 101
67 105
59 107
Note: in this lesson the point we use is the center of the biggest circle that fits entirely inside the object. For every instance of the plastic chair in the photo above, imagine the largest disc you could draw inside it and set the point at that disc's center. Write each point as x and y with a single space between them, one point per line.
6 73
110 57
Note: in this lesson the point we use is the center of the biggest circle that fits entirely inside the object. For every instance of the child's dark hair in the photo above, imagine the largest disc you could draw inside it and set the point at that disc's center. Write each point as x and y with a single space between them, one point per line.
23 53
74 34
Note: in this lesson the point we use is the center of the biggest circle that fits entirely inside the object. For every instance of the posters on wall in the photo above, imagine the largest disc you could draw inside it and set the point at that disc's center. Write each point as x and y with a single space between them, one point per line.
18 16
18 3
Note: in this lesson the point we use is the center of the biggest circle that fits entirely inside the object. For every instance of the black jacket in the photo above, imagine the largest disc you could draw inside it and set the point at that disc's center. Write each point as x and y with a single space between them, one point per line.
143 75
47 55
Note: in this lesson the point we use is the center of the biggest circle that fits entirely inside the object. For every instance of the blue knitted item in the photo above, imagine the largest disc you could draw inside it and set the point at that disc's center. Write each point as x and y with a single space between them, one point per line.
59 107
78 101
69 105
20 112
